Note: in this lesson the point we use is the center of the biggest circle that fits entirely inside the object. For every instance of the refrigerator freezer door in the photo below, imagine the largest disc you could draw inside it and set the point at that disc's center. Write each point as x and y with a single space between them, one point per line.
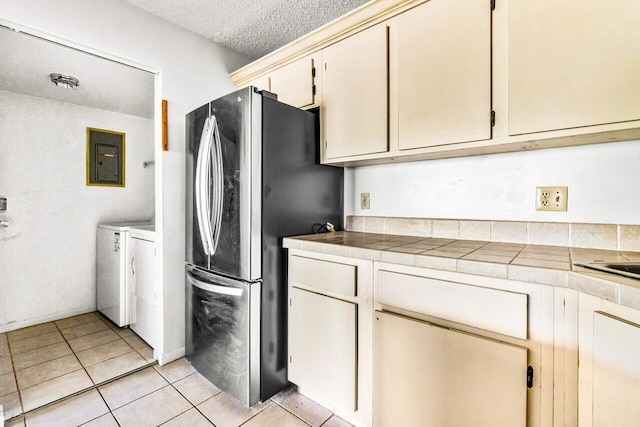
223 187
223 332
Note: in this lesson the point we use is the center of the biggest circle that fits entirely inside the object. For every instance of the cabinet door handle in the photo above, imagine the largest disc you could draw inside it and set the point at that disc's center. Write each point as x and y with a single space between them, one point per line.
133 271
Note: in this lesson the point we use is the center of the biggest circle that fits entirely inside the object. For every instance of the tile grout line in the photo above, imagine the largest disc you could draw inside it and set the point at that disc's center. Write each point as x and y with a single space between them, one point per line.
187 399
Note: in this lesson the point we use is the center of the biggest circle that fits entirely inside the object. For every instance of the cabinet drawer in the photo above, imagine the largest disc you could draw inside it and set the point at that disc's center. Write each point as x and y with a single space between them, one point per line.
325 275
490 309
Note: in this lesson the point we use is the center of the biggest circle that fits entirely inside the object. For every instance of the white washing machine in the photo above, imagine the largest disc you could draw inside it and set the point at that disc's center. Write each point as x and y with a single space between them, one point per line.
114 269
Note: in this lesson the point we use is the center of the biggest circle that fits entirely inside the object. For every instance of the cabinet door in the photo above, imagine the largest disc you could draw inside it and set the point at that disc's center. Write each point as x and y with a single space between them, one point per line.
616 372
143 300
440 59
322 347
572 63
355 94
426 375
294 83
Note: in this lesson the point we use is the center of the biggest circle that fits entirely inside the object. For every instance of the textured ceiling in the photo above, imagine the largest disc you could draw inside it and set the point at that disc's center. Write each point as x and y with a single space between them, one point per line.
251 27
27 62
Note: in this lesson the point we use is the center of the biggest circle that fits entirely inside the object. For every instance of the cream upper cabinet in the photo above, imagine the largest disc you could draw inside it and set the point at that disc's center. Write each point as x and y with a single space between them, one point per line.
262 83
354 112
294 83
440 73
572 63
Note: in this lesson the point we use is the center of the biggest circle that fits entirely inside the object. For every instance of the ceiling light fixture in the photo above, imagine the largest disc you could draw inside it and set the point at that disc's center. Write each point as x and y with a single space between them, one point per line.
67 82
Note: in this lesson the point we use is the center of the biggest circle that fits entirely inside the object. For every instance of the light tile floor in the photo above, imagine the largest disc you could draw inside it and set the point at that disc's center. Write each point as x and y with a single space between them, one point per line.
176 395
42 364
47 362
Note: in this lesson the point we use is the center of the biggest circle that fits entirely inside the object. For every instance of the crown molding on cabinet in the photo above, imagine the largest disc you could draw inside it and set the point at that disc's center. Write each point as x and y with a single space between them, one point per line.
353 22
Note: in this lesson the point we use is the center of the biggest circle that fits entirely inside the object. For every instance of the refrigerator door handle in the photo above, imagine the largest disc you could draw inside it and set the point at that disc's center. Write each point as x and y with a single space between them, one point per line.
218 183
201 188
236 292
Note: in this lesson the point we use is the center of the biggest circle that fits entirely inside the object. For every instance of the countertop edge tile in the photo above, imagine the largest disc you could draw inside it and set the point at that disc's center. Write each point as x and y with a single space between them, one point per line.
482 268
618 289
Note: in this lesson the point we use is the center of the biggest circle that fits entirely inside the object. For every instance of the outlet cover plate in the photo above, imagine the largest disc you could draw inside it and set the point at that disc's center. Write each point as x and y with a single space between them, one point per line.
365 201
551 199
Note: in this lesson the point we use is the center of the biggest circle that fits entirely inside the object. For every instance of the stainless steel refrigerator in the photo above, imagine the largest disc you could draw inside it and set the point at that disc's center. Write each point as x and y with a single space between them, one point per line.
253 177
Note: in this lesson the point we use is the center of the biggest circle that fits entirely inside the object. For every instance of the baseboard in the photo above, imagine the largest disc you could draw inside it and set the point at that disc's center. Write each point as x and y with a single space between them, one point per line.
165 358
11 326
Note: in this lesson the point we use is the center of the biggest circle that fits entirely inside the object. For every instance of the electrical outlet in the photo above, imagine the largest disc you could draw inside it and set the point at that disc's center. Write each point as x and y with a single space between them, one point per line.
365 201
551 199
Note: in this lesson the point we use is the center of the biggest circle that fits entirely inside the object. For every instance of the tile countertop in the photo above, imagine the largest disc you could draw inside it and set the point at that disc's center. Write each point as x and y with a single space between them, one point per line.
545 265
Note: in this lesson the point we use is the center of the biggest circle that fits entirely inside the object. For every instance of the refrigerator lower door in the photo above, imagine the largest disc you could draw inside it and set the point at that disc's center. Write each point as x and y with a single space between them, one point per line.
223 332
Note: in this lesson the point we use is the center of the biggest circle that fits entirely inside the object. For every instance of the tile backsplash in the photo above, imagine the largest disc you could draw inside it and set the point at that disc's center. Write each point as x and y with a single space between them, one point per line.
597 236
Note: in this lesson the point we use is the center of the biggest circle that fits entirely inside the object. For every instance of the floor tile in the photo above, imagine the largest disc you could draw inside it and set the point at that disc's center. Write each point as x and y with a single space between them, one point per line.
103 352
152 409
4 349
115 366
5 365
196 388
302 407
36 342
11 405
76 320
225 411
146 353
106 420
48 370
132 387
336 421
74 411
275 416
40 355
135 341
8 384
176 370
93 340
123 332
191 418
16 422
49 391
84 329
31 331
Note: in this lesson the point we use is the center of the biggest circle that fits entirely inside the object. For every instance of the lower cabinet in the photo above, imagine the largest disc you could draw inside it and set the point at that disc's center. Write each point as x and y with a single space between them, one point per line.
609 371
322 346
383 344
426 375
330 332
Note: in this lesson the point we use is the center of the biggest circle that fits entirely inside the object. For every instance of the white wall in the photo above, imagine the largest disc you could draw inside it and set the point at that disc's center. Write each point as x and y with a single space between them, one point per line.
48 259
193 71
603 181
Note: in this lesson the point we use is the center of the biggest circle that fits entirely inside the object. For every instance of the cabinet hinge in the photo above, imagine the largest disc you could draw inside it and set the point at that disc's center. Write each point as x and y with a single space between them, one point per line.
289 302
313 90
493 4
530 376
325 66
313 72
290 359
493 118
